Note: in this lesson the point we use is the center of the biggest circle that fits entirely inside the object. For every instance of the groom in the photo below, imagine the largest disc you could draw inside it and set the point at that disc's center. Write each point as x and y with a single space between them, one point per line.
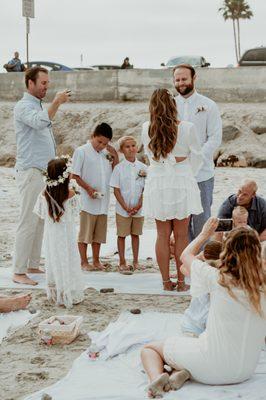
204 114
35 148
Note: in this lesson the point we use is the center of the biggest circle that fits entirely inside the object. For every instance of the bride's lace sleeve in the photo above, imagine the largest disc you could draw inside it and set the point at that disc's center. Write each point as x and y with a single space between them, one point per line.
40 206
195 155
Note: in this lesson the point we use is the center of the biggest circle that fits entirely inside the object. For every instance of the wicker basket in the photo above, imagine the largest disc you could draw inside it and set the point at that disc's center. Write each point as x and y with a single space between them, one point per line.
63 329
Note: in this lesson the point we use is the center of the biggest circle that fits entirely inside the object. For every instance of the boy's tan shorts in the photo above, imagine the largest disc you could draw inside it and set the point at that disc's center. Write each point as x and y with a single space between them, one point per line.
129 225
92 228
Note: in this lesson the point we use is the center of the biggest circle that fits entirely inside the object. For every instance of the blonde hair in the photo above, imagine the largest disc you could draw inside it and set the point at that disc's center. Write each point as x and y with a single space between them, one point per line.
123 140
241 266
163 123
239 210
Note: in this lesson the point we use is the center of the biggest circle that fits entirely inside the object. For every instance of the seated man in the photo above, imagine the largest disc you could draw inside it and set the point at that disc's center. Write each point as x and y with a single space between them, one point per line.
14 303
255 205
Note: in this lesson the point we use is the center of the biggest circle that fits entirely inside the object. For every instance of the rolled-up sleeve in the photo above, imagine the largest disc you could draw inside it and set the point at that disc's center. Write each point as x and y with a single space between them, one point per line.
31 117
214 132
77 162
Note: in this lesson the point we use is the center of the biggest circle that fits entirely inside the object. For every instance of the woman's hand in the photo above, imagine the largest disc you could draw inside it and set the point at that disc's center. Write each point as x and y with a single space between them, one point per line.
209 227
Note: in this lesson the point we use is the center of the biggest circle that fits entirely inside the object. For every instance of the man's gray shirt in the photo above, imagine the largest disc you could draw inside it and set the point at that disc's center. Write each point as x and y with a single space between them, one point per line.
256 212
34 135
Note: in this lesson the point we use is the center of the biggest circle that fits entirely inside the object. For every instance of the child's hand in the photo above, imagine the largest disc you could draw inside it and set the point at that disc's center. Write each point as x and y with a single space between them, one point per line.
111 149
91 192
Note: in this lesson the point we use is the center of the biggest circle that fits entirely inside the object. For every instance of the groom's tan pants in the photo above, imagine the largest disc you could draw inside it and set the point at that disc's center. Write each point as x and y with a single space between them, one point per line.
28 242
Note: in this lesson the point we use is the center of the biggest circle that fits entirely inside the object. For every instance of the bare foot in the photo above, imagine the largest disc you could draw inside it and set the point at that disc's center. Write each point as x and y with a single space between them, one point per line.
8 304
182 287
169 285
87 267
98 266
136 265
123 268
178 378
159 386
35 271
24 279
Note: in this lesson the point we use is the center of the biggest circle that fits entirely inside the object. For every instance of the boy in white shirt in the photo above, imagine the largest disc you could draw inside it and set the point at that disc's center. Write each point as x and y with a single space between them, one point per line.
128 179
92 168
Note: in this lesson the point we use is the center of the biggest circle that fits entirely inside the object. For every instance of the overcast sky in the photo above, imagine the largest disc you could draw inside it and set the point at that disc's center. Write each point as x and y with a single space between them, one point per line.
105 31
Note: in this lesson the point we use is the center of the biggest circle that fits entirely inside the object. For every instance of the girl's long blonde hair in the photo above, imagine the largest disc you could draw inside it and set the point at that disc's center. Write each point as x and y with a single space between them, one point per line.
241 266
163 123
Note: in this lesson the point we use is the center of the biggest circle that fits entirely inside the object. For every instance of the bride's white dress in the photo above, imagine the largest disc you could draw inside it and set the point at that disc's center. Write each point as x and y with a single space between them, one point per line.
63 272
171 190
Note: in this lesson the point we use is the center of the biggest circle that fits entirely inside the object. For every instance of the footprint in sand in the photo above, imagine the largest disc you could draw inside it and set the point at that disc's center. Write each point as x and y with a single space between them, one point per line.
37 360
32 376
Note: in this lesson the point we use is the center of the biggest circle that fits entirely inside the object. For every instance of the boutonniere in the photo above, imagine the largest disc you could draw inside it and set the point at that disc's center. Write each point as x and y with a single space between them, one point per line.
109 157
141 174
200 109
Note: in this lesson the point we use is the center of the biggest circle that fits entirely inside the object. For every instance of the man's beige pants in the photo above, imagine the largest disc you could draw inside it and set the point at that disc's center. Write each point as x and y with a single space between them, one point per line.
28 242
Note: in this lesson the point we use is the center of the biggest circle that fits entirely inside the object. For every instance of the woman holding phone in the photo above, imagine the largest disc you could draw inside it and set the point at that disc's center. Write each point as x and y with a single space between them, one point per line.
228 351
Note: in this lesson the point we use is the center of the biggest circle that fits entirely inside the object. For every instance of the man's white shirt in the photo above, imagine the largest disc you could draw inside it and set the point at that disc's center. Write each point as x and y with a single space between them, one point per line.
94 168
204 114
125 177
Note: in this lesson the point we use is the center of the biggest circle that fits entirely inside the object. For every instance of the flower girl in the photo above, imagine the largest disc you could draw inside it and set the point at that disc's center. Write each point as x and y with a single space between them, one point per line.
58 206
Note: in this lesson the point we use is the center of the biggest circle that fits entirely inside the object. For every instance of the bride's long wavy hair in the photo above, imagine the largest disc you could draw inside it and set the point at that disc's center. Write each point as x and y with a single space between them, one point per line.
163 123
241 266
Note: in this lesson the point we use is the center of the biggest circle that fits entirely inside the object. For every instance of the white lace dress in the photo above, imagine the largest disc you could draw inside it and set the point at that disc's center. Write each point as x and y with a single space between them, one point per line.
171 190
63 273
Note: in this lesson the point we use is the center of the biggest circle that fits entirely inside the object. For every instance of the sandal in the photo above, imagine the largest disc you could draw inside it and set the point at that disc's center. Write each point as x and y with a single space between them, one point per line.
182 286
169 285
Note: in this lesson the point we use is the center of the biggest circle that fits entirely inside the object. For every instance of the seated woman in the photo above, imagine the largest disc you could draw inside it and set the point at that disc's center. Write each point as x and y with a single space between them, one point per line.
228 351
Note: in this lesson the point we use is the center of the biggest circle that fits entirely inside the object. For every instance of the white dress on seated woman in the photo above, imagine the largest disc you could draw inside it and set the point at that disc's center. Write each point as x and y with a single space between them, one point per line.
171 190
229 349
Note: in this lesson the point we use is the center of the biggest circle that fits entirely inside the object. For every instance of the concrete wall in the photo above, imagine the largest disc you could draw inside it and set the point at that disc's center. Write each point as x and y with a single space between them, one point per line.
243 84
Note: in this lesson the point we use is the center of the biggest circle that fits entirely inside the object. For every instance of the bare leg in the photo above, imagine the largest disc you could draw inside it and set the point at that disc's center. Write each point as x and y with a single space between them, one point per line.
153 363
23 279
95 256
14 303
135 250
162 249
180 228
83 256
35 271
121 251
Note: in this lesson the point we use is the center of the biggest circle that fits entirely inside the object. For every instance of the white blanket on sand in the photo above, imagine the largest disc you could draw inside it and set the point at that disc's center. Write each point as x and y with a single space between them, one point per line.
122 377
138 283
10 322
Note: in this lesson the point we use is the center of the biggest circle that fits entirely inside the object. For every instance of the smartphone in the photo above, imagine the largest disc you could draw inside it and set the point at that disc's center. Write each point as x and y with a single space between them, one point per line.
224 225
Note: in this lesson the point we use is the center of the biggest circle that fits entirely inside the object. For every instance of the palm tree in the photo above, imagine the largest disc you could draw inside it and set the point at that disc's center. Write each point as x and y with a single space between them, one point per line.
236 10
243 11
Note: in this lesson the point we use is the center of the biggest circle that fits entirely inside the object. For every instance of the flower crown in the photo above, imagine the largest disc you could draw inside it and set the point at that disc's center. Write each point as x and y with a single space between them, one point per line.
61 178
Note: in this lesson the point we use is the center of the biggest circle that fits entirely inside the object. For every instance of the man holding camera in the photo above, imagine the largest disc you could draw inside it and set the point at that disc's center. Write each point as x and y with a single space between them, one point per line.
35 148
256 206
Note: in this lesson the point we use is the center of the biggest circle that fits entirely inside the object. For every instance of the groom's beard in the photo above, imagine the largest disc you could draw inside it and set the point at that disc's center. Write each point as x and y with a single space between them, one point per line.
184 90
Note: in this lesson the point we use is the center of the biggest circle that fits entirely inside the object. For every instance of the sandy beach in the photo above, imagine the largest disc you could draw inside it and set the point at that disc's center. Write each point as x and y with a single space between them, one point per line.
26 365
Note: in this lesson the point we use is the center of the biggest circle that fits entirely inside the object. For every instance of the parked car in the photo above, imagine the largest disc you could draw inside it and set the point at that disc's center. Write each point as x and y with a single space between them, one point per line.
195 61
51 66
253 57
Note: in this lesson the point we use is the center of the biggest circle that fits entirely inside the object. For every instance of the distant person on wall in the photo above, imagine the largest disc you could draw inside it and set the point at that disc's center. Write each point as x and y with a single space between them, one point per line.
15 65
204 114
126 64
35 148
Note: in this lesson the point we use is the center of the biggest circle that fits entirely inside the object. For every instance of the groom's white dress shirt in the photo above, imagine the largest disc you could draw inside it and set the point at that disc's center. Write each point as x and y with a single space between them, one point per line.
205 115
